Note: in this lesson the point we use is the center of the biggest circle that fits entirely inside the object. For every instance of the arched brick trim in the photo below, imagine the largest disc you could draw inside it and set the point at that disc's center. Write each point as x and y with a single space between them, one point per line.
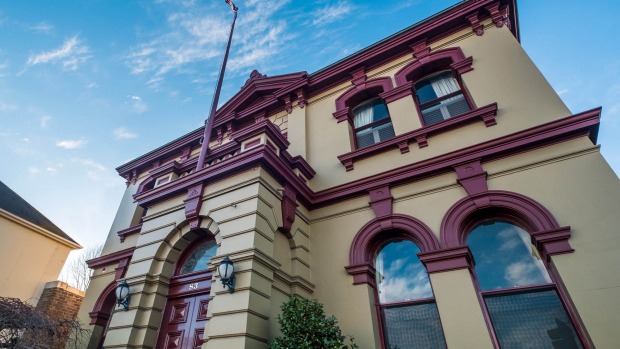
360 93
517 207
149 180
378 230
103 306
452 58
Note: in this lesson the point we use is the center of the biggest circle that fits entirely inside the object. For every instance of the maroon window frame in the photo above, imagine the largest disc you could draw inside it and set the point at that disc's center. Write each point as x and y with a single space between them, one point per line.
383 121
420 106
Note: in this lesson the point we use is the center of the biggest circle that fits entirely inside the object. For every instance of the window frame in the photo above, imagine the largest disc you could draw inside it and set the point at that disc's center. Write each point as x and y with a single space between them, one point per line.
554 285
383 121
388 237
462 91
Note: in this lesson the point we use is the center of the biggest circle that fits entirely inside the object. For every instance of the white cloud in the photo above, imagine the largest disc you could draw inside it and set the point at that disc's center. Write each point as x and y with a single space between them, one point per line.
33 170
561 92
88 163
137 104
331 13
25 139
5 107
44 120
70 55
42 27
71 144
123 133
92 85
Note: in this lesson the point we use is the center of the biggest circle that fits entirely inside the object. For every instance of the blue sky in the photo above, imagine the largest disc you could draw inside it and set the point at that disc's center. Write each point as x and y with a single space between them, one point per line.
86 85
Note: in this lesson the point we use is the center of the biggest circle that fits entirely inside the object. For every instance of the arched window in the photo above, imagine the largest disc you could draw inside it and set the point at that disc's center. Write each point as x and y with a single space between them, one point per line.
519 294
372 123
409 315
198 258
439 97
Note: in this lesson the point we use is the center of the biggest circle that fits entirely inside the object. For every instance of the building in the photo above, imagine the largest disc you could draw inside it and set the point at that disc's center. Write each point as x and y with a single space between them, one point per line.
431 190
32 247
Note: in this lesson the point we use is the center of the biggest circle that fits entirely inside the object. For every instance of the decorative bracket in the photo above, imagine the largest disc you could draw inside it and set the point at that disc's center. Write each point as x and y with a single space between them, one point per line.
381 201
473 179
552 242
499 15
289 207
342 115
359 78
421 50
301 98
476 26
288 105
447 259
193 202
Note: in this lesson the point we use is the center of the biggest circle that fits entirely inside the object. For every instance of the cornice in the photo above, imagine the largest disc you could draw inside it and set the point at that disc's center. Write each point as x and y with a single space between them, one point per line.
37 229
109 259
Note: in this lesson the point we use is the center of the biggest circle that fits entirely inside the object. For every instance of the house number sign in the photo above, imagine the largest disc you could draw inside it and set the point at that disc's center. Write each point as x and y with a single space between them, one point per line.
193 286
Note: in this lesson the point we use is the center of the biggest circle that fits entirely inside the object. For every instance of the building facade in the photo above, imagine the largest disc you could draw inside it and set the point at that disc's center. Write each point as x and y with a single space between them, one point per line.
40 254
431 190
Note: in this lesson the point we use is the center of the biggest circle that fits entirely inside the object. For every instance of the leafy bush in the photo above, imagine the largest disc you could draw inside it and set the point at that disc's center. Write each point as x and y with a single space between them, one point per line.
305 326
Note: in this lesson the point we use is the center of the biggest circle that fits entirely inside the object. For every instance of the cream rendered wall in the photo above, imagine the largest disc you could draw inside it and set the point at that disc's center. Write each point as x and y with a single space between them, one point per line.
125 216
503 73
30 259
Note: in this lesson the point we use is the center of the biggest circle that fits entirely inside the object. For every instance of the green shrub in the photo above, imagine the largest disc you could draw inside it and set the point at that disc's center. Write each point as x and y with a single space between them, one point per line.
304 326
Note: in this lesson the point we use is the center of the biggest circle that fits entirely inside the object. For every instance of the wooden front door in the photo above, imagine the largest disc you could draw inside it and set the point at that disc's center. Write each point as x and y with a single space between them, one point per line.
185 314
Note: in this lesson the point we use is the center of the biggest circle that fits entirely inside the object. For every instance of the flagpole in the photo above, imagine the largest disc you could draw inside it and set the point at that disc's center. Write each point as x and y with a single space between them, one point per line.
209 122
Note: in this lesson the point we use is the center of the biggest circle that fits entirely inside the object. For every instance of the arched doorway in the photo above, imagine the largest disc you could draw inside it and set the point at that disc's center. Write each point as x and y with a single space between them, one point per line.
185 314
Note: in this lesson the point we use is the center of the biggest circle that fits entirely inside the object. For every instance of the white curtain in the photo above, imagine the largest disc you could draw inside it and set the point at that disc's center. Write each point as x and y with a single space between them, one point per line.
363 116
444 85
379 272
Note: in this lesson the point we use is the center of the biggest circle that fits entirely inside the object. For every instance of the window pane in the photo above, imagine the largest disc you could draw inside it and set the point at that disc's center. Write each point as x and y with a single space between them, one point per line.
413 326
198 260
400 274
369 112
436 86
504 257
531 320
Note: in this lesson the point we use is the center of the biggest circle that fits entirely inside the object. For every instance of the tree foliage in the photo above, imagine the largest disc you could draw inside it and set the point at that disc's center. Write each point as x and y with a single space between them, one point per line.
304 326
24 327
76 272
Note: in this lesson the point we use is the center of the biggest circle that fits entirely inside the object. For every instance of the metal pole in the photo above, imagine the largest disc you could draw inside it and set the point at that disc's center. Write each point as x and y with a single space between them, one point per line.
209 122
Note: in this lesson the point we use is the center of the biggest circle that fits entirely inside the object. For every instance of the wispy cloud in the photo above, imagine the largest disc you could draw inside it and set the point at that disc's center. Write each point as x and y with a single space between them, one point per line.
92 85
44 120
123 133
71 144
137 104
195 35
6 107
331 13
70 55
42 27
33 170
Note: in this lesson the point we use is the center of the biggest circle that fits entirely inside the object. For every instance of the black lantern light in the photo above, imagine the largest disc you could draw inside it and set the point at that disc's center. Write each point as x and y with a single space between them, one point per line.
122 295
227 274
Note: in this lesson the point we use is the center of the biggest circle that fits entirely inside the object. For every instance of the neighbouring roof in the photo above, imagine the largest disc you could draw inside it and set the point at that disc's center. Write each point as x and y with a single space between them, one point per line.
16 205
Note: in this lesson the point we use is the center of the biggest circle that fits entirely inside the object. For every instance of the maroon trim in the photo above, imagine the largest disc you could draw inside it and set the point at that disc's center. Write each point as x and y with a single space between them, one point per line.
552 242
484 113
499 15
476 26
289 208
104 306
376 232
359 93
123 234
397 93
187 252
550 133
436 61
172 167
447 259
473 179
381 201
193 203
111 258
536 216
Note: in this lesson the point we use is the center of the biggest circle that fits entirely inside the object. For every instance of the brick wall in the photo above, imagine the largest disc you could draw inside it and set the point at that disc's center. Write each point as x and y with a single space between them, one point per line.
60 301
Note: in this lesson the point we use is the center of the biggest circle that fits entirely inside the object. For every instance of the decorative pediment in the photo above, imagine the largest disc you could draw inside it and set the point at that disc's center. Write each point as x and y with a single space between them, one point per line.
261 93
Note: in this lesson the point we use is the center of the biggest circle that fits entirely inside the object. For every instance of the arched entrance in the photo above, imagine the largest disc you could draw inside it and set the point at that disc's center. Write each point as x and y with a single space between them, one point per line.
185 314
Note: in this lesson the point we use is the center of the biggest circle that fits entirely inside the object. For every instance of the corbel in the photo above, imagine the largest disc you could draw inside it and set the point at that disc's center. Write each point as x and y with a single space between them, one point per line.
381 201
476 26
289 207
421 50
134 176
121 269
359 78
473 179
499 15
185 153
127 177
341 115
288 105
260 116
220 136
301 98
463 66
422 141
229 130
193 202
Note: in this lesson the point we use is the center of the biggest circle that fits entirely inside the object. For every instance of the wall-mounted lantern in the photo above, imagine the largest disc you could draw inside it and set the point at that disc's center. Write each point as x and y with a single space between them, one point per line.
227 274
122 294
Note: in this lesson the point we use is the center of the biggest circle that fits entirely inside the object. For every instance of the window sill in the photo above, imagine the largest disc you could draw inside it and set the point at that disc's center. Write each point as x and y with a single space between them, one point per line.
486 113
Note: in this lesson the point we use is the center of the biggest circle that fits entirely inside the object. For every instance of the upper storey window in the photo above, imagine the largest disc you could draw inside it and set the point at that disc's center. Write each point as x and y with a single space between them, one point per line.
440 97
372 123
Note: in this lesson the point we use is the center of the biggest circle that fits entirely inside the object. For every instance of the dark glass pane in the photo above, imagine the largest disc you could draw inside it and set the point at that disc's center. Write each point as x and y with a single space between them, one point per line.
379 111
369 112
400 274
413 326
504 257
425 92
531 320
198 260
436 86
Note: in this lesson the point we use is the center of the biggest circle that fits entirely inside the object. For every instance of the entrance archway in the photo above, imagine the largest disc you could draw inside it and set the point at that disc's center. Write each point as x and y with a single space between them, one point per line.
185 313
